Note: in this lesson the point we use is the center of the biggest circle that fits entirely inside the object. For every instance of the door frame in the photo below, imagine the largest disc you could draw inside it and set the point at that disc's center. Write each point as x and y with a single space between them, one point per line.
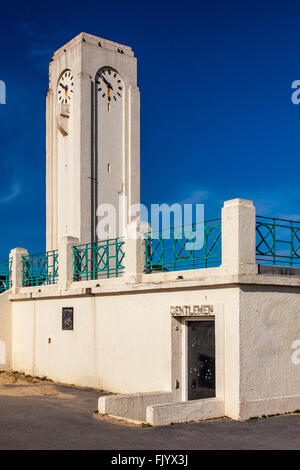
179 367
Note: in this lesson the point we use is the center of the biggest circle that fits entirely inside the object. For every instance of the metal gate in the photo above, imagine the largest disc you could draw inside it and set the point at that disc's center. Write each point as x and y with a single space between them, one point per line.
201 359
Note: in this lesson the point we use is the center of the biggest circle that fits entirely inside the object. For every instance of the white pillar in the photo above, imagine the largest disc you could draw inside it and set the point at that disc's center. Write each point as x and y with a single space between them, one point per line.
66 261
134 260
16 270
239 237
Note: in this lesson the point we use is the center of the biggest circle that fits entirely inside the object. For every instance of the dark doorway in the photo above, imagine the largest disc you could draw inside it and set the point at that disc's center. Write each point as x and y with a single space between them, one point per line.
201 360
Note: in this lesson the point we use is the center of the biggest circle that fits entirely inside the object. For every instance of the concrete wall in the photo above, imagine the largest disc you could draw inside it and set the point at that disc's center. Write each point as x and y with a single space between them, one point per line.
126 340
122 339
120 343
5 331
269 325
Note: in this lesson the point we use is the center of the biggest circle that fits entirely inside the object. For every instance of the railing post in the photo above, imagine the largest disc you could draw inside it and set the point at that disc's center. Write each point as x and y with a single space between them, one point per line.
66 261
16 267
239 237
134 247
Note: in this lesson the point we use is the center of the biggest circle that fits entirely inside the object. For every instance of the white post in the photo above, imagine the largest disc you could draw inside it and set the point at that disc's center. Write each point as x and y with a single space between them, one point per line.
66 261
134 260
16 269
239 237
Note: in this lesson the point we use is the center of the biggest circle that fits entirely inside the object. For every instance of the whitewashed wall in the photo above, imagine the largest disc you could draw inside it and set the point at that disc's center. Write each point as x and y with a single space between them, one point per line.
269 325
120 343
5 331
122 340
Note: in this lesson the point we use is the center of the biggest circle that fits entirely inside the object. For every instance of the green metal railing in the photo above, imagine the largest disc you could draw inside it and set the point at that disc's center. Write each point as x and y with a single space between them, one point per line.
179 252
5 274
277 241
40 269
99 259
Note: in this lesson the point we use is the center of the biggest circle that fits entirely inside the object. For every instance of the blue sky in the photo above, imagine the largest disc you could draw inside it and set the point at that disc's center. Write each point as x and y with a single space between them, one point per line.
217 121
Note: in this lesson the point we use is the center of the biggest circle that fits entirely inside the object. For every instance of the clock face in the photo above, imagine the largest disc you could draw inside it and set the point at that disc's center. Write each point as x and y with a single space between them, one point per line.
65 87
110 86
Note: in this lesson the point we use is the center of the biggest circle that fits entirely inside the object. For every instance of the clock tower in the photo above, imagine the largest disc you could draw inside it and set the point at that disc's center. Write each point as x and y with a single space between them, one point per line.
92 144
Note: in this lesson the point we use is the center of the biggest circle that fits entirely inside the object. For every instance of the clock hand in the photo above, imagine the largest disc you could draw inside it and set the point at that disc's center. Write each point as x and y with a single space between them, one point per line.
62 86
106 82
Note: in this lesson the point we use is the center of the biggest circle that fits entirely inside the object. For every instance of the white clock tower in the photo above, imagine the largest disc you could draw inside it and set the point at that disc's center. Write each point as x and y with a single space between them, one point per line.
93 136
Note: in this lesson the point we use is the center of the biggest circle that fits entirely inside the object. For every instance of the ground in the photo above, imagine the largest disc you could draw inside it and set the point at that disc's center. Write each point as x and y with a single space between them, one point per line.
39 414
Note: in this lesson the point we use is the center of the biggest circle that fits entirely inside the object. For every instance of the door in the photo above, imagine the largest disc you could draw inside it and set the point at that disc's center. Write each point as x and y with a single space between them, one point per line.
201 359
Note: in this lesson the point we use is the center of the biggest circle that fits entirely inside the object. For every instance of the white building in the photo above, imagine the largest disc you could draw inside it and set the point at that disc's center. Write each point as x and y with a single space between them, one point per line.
173 345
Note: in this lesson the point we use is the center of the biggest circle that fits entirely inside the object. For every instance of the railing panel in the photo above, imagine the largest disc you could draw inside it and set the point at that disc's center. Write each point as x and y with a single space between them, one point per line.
5 274
40 269
277 241
102 259
178 251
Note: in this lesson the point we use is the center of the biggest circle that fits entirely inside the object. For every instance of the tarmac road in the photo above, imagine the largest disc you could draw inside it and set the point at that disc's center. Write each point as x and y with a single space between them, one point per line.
52 422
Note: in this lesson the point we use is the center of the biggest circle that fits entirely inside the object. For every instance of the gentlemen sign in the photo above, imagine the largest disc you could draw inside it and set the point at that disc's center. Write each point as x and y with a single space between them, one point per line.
191 310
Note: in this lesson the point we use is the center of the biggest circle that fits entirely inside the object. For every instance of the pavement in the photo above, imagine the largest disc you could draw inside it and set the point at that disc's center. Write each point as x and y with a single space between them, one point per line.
66 420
